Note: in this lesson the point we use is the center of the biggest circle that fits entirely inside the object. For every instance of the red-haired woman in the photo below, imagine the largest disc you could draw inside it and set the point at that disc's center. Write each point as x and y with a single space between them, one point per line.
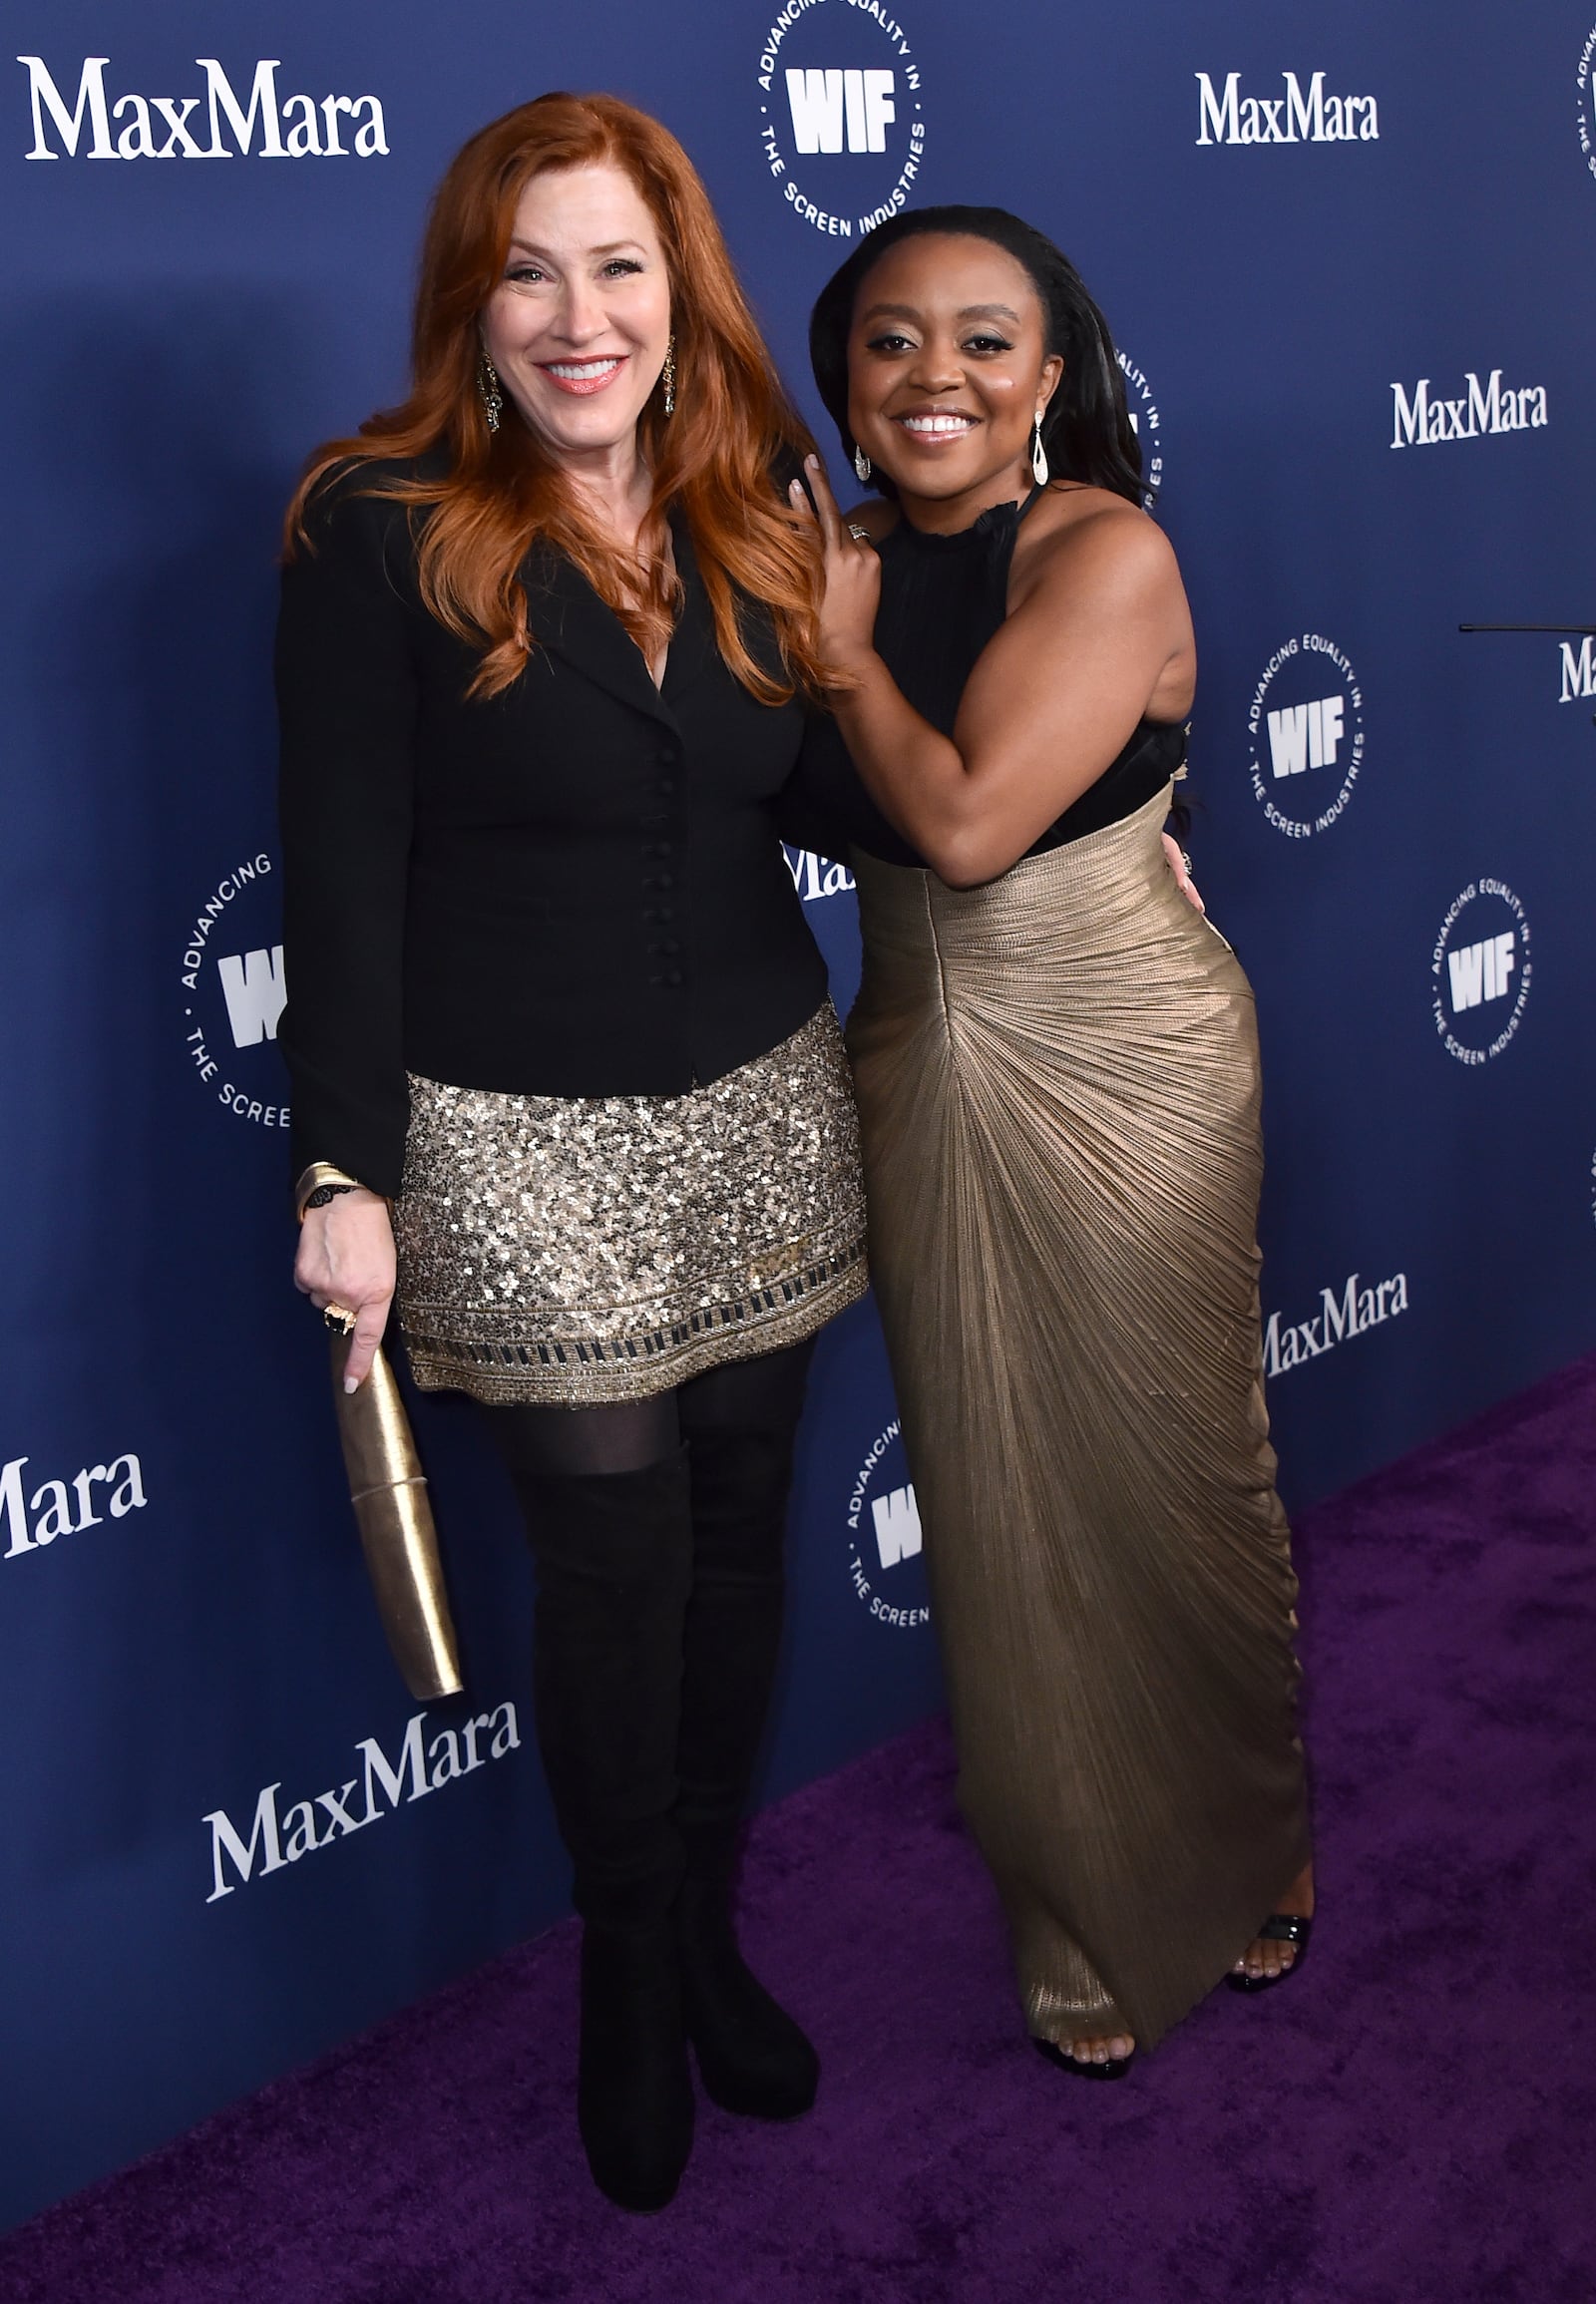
545 634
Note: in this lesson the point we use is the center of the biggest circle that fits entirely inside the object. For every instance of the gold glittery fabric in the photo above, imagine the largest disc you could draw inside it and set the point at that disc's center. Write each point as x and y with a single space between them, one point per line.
573 1250
1058 1098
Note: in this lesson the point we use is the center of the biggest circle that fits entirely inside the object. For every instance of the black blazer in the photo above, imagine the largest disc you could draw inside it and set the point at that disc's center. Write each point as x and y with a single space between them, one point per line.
576 888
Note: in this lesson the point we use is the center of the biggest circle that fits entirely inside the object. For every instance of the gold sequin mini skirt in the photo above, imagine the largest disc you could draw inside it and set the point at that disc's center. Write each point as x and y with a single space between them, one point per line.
573 1250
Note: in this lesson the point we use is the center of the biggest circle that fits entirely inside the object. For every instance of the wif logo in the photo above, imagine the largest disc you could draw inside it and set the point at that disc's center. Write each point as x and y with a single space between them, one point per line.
896 1518
212 125
895 1525
1303 736
1481 972
1295 116
1297 729
1420 422
826 104
1480 961
840 124
255 992
237 996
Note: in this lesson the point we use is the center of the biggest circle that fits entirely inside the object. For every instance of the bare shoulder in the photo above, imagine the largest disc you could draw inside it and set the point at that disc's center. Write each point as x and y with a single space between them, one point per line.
1088 536
875 515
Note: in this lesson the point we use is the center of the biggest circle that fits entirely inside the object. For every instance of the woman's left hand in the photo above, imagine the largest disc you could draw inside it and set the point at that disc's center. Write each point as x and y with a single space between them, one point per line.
1180 865
853 576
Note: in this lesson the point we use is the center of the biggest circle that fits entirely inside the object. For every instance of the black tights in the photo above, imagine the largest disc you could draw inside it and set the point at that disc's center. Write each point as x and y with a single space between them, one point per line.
762 1395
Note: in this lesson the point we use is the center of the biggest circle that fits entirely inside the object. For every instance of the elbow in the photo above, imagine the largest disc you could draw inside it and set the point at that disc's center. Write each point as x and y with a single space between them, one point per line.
965 856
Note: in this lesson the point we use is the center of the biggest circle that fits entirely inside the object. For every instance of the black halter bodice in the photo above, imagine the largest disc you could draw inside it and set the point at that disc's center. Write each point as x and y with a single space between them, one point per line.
941 599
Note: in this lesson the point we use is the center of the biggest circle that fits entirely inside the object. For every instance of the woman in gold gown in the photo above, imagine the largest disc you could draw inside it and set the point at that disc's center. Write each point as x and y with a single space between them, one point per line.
1056 1065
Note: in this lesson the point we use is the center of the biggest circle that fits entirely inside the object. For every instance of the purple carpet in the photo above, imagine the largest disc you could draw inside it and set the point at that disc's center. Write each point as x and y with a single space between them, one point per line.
1413 2120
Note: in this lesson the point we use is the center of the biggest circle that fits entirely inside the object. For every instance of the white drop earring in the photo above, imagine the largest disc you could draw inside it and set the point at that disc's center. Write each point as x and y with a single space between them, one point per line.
668 377
1038 454
860 466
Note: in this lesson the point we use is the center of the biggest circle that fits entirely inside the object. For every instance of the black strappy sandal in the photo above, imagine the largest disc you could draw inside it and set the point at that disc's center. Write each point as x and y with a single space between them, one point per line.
1115 2068
1279 1928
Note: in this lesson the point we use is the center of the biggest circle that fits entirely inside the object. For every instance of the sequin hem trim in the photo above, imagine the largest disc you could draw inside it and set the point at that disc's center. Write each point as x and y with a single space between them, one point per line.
576 1372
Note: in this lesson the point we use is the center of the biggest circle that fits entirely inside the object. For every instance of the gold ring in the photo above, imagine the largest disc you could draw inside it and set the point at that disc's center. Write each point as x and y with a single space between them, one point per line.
338 1317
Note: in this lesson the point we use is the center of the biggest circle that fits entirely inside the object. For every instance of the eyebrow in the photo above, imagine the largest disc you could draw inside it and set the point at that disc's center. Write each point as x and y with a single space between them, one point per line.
967 312
610 248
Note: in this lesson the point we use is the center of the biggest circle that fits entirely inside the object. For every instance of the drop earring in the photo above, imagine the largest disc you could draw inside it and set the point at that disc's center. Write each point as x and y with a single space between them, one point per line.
860 466
1038 454
493 402
668 377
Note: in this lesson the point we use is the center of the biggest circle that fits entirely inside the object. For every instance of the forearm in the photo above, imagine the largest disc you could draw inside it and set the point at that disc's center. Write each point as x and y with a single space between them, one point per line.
917 776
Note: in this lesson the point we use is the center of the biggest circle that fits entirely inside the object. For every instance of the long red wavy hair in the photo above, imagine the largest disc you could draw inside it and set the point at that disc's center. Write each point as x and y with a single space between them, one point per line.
716 458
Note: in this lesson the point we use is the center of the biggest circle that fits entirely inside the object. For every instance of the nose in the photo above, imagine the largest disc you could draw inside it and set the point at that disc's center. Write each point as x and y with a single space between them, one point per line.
581 314
937 367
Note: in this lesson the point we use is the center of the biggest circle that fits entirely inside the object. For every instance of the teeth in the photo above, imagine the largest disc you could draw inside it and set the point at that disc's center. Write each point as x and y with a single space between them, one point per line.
582 371
936 424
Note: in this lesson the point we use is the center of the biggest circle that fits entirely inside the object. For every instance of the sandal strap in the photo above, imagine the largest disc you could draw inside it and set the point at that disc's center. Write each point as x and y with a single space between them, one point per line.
1286 1928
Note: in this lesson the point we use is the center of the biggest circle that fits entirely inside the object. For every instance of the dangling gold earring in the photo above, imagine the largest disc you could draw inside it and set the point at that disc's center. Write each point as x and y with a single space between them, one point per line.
491 398
1038 454
667 376
860 466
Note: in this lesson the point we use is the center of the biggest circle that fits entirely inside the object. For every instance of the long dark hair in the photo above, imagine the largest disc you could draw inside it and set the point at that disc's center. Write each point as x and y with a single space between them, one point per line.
1086 431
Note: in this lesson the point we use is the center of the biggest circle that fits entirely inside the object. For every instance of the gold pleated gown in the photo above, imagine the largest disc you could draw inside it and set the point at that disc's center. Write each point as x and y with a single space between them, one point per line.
1058 1090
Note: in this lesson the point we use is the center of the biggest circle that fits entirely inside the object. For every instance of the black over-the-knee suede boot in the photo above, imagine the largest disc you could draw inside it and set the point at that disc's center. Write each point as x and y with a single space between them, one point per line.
613 1559
752 2057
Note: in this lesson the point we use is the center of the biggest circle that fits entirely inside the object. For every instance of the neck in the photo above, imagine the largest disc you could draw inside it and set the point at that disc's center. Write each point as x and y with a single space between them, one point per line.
615 484
948 515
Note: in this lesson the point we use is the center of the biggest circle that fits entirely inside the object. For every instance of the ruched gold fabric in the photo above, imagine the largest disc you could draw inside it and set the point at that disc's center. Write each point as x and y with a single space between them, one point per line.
1057 1081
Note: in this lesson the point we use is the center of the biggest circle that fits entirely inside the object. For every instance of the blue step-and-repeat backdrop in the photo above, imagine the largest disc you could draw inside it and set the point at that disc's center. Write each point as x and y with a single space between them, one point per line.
1346 252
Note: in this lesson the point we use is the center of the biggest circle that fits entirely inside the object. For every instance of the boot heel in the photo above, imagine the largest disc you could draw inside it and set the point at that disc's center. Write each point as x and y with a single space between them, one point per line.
752 2058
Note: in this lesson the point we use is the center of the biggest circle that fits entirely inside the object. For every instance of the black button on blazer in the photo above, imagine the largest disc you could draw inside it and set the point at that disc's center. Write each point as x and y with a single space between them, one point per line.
573 889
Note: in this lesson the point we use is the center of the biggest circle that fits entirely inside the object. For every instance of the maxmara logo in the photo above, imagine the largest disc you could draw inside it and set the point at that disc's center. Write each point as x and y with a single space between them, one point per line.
1578 669
215 123
235 994
1479 972
816 876
1419 421
1296 115
883 1551
65 1507
1351 1309
1307 717
280 1836
840 118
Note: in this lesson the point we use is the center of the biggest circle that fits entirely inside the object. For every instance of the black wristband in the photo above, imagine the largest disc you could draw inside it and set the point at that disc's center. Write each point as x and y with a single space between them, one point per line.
325 1192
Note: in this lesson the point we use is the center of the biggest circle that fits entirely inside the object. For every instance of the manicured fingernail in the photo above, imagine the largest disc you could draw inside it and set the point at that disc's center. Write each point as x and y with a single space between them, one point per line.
350 1386
813 462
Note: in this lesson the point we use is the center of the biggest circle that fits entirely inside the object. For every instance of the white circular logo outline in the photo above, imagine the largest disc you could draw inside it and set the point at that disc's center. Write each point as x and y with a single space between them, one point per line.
1299 647
882 1612
1485 886
204 1047
780 154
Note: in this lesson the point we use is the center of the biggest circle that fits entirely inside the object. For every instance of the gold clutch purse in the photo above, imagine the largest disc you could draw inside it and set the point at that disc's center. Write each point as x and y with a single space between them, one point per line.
394 1514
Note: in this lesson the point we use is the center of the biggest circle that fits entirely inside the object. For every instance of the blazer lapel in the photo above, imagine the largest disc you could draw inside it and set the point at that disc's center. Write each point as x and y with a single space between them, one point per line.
568 616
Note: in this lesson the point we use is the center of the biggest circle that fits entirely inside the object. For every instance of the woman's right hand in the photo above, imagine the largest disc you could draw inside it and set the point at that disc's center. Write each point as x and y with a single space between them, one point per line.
347 1258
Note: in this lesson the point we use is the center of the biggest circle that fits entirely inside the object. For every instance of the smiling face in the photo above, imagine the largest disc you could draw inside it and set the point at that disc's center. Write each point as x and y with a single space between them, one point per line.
948 365
578 325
